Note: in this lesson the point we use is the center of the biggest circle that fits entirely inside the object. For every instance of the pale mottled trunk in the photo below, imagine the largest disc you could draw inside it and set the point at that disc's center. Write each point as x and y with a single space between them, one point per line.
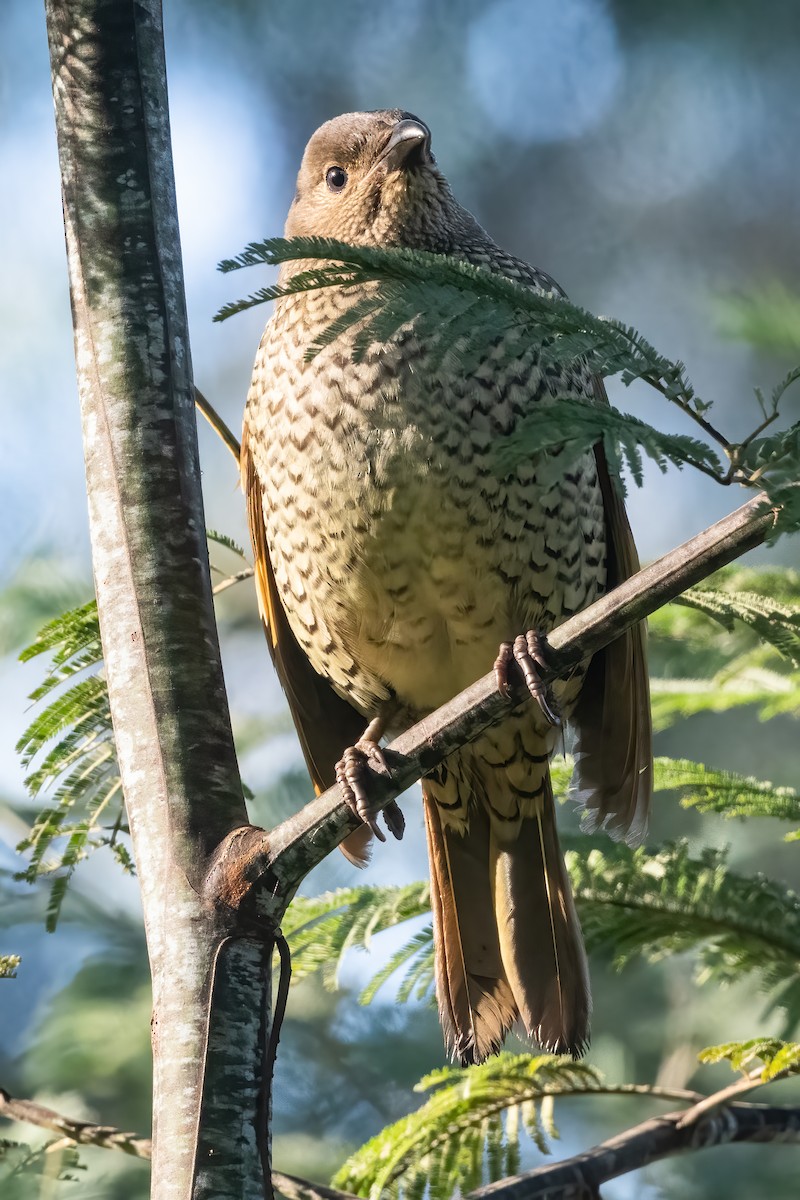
167 693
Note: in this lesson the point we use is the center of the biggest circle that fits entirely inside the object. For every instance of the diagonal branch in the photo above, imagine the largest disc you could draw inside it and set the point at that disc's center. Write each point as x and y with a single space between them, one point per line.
580 1177
294 847
86 1133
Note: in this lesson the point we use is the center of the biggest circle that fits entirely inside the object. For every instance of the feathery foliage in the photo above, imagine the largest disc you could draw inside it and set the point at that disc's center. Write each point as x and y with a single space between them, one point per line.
81 767
469 1128
727 793
776 624
624 438
733 641
21 1164
631 903
321 929
463 308
68 751
8 965
635 903
468 1131
778 1057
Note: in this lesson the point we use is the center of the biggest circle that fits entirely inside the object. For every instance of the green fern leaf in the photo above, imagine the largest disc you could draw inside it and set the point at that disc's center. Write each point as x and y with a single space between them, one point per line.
775 623
469 1128
726 793
222 539
778 1057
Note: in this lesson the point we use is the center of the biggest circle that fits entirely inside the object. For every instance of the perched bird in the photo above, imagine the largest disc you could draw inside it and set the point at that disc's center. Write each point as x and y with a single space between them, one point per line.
392 560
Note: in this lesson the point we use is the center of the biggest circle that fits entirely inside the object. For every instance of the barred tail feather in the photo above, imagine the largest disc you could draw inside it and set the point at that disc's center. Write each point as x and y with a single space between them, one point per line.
476 1004
540 938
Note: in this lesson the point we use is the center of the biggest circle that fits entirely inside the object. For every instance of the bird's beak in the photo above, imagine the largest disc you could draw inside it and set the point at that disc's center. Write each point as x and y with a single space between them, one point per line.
409 139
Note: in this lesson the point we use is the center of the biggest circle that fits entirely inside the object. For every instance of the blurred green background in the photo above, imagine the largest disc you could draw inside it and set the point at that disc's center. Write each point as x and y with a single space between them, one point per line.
643 154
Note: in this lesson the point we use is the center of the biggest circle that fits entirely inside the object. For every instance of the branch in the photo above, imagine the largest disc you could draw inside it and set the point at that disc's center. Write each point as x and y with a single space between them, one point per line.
217 424
85 1133
294 847
751 1081
580 1177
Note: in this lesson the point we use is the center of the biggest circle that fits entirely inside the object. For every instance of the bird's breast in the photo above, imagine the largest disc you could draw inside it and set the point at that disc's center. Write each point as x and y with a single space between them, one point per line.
402 555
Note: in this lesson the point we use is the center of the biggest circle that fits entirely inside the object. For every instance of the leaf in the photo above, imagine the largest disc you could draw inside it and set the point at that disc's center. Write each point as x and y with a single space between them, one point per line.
740 686
8 965
321 929
727 793
778 1057
574 426
222 539
775 623
468 1130
631 903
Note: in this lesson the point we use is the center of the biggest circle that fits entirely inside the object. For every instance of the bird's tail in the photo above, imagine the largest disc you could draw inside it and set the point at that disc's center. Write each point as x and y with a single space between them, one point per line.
506 936
476 1004
540 938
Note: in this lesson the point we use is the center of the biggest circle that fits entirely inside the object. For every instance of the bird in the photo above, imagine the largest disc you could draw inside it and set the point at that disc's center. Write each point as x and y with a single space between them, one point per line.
394 563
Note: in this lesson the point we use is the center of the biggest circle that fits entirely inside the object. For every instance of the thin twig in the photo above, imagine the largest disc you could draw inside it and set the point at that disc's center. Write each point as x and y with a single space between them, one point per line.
740 1087
217 424
230 580
86 1133
656 383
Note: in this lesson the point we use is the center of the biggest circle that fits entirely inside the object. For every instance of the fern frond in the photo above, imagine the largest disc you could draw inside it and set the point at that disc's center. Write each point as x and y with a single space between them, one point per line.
80 766
775 623
726 793
631 903
417 982
391 287
778 1057
468 1130
624 437
634 903
416 282
321 929
222 539
740 686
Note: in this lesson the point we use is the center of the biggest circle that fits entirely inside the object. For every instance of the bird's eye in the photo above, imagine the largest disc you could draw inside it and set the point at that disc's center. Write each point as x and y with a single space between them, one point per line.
336 178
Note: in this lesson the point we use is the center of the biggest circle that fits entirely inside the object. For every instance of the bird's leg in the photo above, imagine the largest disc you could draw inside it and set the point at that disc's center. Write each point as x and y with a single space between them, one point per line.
527 651
352 774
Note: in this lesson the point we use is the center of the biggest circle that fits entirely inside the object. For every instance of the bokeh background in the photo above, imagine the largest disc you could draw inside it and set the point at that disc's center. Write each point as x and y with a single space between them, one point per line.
645 155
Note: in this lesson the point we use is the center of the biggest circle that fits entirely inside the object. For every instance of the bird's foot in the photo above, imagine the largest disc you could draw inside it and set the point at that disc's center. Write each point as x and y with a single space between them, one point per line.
528 651
352 775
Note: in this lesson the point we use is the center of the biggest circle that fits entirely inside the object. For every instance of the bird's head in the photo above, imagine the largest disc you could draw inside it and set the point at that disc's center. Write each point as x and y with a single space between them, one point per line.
370 179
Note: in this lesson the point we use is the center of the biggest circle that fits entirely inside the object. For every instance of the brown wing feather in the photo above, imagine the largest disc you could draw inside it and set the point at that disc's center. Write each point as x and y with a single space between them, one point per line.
326 724
614 755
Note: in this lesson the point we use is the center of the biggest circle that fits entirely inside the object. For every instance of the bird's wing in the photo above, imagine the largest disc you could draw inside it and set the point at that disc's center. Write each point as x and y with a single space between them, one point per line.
613 751
326 724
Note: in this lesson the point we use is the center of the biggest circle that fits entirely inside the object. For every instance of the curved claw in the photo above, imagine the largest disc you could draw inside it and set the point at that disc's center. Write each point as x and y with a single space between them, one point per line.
527 650
352 772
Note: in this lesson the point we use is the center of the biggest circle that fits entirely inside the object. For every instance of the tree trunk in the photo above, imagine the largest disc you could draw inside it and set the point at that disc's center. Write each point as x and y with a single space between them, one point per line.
167 694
